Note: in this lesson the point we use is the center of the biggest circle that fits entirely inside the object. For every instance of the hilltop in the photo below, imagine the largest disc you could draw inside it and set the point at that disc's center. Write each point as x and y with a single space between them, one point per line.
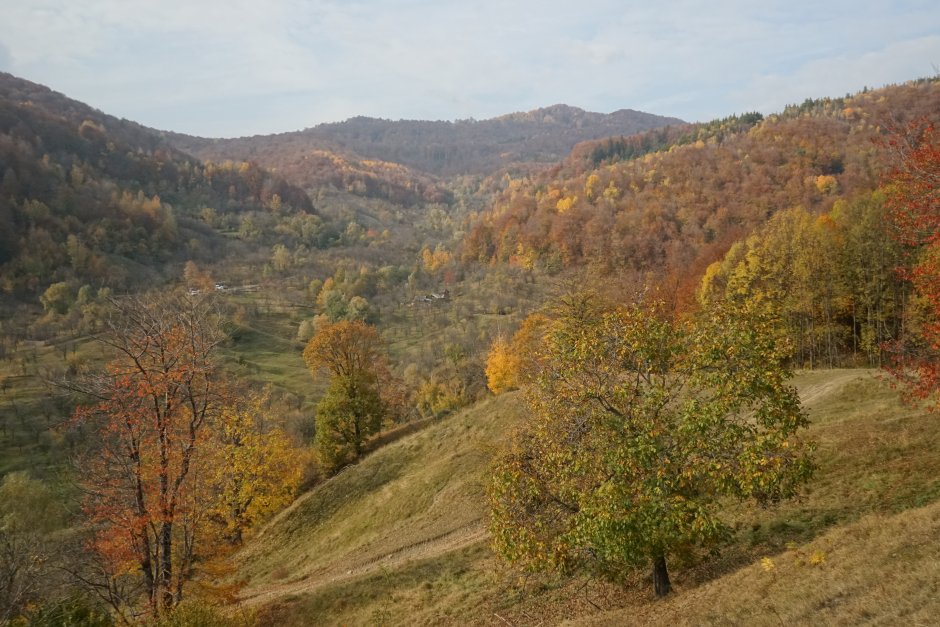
671 201
87 198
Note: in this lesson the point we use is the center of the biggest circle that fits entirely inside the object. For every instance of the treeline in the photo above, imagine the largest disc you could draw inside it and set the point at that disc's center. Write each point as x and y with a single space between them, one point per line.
610 150
85 197
643 419
676 210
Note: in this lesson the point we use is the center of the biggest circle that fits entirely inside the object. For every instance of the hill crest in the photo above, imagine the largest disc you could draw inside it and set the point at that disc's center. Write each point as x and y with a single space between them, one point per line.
441 148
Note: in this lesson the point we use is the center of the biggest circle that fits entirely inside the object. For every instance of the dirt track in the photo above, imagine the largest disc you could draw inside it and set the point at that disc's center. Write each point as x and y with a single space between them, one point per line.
367 560
811 394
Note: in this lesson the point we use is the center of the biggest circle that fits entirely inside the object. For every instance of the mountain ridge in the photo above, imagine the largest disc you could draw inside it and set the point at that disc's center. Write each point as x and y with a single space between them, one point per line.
439 148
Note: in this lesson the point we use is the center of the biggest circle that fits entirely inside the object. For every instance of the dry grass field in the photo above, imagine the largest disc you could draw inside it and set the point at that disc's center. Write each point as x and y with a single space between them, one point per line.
400 537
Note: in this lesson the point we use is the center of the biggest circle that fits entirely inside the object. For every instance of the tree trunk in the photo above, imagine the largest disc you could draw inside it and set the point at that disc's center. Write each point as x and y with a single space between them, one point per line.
661 583
166 569
146 567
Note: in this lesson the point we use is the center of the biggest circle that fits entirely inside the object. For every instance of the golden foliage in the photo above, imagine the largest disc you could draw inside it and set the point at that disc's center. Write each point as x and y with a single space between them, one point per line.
255 469
509 363
502 367
826 184
436 259
565 204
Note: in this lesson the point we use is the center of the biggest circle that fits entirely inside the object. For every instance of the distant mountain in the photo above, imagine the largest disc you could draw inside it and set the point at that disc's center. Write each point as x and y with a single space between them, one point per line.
440 148
87 198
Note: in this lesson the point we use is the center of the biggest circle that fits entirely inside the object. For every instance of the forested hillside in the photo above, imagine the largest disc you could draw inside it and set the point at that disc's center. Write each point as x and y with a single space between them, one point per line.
86 198
469 372
674 201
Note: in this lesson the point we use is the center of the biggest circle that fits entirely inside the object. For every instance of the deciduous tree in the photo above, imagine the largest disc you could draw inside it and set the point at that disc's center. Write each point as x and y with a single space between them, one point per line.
255 468
914 199
349 412
507 361
501 367
354 406
154 407
639 425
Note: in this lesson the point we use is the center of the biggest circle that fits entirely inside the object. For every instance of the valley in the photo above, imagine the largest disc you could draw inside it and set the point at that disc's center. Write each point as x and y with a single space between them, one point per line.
445 272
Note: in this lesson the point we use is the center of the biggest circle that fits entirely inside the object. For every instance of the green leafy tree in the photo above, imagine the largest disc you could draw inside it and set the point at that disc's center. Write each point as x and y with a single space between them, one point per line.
638 426
868 262
359 309
281 258
349 412
333 303
353 407
57 298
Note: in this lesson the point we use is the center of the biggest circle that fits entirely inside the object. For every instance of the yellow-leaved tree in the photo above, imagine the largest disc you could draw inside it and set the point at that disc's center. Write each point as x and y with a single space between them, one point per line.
507 360
501 366
255 469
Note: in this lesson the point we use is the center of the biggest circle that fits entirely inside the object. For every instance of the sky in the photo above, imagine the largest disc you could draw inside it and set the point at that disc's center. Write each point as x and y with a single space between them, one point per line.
243 67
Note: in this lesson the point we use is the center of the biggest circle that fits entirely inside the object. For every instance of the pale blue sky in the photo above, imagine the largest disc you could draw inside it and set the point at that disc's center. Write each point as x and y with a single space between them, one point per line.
239 67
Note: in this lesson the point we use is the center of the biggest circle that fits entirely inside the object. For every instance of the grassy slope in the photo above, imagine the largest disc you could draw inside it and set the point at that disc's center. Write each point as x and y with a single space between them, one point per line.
398 538
31 408
410 501
880 569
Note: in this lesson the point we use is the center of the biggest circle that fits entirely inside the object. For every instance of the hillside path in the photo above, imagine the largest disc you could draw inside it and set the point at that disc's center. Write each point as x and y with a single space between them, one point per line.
366 561
813 393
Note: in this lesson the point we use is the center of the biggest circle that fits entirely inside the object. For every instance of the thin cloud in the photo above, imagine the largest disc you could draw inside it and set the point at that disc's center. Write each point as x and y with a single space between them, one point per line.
243 67
842 74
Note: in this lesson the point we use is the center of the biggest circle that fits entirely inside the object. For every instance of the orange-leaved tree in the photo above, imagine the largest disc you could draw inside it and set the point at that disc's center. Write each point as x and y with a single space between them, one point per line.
181 466
913 194
153 408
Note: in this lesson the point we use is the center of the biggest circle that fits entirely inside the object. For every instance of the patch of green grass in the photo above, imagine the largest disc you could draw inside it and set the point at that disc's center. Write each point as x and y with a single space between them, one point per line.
32 408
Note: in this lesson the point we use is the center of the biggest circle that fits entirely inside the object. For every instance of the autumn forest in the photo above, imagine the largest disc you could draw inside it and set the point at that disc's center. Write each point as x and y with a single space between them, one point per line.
551 366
